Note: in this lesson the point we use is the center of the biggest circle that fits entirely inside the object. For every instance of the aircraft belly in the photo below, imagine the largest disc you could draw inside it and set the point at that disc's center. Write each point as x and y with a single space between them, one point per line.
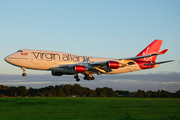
35 64
130 68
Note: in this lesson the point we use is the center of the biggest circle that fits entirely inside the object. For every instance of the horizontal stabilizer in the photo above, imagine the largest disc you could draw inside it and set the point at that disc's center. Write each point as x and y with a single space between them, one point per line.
164 51
148 64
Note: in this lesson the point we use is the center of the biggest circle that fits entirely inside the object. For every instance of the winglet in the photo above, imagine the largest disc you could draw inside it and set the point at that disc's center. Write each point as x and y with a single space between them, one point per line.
164 51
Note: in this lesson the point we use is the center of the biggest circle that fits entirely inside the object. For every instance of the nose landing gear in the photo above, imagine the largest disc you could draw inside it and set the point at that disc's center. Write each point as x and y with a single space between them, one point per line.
24 74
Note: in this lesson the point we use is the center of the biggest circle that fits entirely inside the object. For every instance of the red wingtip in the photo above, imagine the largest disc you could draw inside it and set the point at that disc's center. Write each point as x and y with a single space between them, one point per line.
164 51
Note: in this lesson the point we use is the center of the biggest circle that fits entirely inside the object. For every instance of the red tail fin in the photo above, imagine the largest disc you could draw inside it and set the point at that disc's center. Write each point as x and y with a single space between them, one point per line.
152 48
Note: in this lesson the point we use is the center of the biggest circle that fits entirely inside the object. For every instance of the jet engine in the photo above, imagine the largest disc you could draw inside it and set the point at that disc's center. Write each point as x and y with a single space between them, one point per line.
79 69
112 65
54 73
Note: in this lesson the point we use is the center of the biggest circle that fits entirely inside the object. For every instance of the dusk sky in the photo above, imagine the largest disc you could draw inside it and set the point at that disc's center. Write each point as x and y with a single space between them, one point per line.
98 28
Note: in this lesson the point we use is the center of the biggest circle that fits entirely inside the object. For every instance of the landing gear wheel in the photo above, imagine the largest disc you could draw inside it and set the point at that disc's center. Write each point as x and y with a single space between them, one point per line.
24 74
92 78
77 80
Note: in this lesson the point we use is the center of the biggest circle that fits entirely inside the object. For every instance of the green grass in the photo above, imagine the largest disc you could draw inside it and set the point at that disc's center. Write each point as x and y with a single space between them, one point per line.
90 108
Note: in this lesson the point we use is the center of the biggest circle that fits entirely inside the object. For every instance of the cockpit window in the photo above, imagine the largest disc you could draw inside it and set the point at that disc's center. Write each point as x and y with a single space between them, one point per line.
19 51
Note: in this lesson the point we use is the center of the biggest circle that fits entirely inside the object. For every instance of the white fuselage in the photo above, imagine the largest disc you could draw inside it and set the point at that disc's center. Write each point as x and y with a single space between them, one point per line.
50 60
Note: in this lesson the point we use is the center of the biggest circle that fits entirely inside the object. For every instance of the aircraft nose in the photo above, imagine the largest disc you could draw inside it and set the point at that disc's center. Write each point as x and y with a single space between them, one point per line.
11 59
6 59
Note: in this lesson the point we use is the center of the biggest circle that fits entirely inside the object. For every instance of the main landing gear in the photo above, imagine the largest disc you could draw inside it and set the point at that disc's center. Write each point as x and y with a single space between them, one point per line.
24 74
86 77
77 78
89 77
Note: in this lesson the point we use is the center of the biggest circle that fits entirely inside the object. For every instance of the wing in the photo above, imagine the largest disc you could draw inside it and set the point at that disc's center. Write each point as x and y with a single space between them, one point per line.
131 58
123 60
104 67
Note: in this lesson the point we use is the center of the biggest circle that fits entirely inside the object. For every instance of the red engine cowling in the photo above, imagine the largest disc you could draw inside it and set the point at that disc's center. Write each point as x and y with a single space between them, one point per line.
112 65
54 73
79 69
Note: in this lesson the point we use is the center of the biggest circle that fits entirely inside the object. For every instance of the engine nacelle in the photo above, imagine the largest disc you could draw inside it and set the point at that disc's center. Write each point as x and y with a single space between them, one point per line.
112 65
79 69
54 73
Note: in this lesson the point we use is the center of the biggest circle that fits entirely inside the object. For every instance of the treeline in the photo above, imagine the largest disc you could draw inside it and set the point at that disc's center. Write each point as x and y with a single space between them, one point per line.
76 90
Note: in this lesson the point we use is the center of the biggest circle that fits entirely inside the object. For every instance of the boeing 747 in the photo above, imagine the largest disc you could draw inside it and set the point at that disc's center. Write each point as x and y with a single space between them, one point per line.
60 63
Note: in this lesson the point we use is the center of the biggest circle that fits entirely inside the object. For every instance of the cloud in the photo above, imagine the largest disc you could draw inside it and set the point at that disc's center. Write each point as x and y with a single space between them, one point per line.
130 82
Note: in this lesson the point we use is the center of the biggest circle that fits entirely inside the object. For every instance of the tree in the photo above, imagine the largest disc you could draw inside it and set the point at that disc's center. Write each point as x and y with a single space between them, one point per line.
59 91
123 93
53 92
116 94
143 93
49 94
21 91
103 92
146 95
99 92
12 91
77 89
1 95
139 93
93 93
109 92
40 94
134 94
32 91
67 89
49 88
46 93
178 94
1 86
163 93
87 91
159 93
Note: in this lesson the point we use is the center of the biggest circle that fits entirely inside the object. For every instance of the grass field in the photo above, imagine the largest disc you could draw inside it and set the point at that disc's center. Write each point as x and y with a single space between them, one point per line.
90 108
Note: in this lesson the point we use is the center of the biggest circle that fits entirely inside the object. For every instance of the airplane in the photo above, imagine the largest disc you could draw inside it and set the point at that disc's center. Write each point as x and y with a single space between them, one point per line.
60 63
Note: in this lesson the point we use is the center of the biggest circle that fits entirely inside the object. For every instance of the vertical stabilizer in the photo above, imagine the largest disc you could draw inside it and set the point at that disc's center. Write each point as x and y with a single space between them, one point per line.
152 48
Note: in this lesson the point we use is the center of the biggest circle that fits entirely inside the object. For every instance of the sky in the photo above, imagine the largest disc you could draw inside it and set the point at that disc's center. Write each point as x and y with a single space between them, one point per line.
98 28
